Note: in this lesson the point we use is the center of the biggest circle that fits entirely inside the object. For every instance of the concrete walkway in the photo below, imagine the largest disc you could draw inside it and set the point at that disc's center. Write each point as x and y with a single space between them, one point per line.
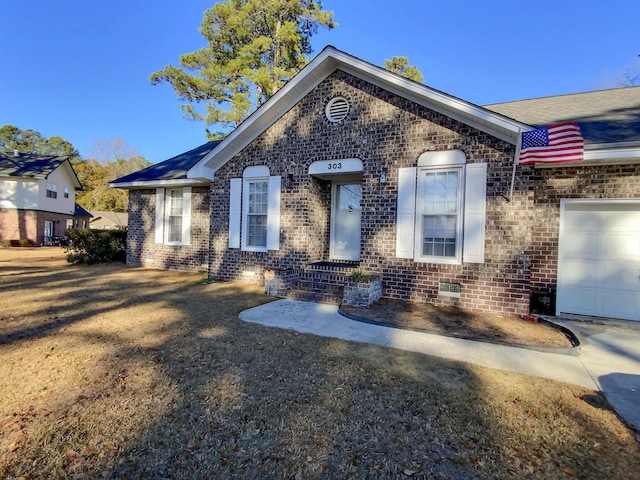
608 358
610 352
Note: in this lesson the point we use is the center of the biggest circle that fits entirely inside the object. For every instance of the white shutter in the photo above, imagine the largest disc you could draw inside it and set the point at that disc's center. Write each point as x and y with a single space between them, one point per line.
475 189
186 216
405 221
273 214
235 213
159 226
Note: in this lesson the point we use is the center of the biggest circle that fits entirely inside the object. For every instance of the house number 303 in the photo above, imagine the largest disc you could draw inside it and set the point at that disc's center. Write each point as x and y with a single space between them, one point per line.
335 166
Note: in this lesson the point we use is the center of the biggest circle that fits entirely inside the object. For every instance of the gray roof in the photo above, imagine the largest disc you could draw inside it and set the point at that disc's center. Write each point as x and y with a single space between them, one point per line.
117 218
34 166
81 212
605 116
30 166
174 168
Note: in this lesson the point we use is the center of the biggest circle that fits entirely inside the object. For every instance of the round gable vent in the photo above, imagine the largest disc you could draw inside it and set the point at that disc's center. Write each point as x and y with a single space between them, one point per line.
337 109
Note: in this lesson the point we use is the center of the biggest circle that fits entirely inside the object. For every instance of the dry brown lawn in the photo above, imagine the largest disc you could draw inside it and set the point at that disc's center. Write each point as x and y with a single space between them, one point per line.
115 372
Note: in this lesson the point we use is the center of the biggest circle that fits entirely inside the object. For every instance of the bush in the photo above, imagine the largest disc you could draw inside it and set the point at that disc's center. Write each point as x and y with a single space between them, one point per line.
96 246
16 243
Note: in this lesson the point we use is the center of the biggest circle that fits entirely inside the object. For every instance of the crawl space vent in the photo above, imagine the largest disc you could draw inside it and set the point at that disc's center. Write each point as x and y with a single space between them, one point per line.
449 289
337 109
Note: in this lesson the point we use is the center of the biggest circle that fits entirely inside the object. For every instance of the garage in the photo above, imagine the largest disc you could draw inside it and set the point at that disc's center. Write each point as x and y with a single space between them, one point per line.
599 258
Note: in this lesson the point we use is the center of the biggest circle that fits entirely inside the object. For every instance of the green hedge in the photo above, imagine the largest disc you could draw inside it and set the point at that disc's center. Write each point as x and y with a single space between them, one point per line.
96 246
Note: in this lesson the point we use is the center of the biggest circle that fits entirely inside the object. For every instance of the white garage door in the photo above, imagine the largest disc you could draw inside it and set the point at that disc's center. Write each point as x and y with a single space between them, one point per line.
599 259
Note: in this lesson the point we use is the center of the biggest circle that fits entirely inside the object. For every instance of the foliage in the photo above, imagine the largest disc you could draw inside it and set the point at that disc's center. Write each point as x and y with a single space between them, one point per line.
253 48
96 246
359 275
33 143
111 159
400 65
23 242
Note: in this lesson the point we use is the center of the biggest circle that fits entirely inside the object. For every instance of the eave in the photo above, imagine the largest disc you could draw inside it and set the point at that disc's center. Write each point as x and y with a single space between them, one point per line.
181 182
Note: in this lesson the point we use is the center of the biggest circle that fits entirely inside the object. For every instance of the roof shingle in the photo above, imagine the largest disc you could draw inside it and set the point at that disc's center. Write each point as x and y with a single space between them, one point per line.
174 168
605 116
30 166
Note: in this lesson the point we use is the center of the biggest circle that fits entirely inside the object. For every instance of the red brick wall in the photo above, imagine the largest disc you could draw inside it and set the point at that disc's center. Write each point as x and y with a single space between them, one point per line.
141 247
384 131
29 225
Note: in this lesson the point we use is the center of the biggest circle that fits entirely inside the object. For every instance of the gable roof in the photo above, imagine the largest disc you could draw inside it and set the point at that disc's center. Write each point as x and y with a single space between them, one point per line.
332 59
610 119
172 171
605 116
80 212
35 166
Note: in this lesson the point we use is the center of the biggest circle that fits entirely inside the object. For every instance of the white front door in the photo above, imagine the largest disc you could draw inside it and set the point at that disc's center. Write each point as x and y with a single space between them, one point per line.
346 215
599 259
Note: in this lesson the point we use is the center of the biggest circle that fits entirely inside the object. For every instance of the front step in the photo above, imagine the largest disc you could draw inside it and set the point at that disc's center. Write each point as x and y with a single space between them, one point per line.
332 297
322 282
326 282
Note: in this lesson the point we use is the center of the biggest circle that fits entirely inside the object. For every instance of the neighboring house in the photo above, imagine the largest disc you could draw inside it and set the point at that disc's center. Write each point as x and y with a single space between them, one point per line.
37 197
81 218
108 220
350 166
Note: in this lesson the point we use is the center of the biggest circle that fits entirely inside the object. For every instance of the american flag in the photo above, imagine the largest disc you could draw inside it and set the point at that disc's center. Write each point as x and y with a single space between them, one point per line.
558 143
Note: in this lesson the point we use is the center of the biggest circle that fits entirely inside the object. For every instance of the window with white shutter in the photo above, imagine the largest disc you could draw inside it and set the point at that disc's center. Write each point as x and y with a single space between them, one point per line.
254 211
441 210
173 216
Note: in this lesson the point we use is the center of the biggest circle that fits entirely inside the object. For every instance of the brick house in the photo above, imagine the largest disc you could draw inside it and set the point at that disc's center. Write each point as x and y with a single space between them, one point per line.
351 167
102 220
169 213
37 198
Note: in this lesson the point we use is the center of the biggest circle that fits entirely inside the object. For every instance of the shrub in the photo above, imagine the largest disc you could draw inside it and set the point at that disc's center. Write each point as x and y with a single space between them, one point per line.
16 243
96 246
359 276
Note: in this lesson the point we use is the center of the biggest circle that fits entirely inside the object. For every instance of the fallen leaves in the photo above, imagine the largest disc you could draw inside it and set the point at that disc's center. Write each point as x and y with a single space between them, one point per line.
208 396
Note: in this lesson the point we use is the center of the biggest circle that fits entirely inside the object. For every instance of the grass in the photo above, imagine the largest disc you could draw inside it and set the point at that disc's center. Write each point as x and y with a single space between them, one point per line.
115 372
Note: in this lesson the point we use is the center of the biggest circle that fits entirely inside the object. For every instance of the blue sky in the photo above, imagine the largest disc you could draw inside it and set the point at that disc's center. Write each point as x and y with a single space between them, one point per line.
80 69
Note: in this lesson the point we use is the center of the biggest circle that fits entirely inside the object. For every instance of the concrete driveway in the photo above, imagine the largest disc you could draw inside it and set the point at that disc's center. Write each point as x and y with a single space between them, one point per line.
610 352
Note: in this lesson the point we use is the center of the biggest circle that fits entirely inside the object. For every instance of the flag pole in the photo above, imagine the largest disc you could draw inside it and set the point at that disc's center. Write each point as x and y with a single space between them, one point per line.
516 160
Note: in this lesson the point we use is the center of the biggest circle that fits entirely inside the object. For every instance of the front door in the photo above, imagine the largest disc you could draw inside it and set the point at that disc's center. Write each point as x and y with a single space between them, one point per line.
48 232
346 215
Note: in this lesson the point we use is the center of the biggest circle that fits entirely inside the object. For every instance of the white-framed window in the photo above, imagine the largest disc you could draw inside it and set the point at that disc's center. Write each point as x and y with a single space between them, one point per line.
439 215
254 211
52 190
256 201
441 209
173 216
66 192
